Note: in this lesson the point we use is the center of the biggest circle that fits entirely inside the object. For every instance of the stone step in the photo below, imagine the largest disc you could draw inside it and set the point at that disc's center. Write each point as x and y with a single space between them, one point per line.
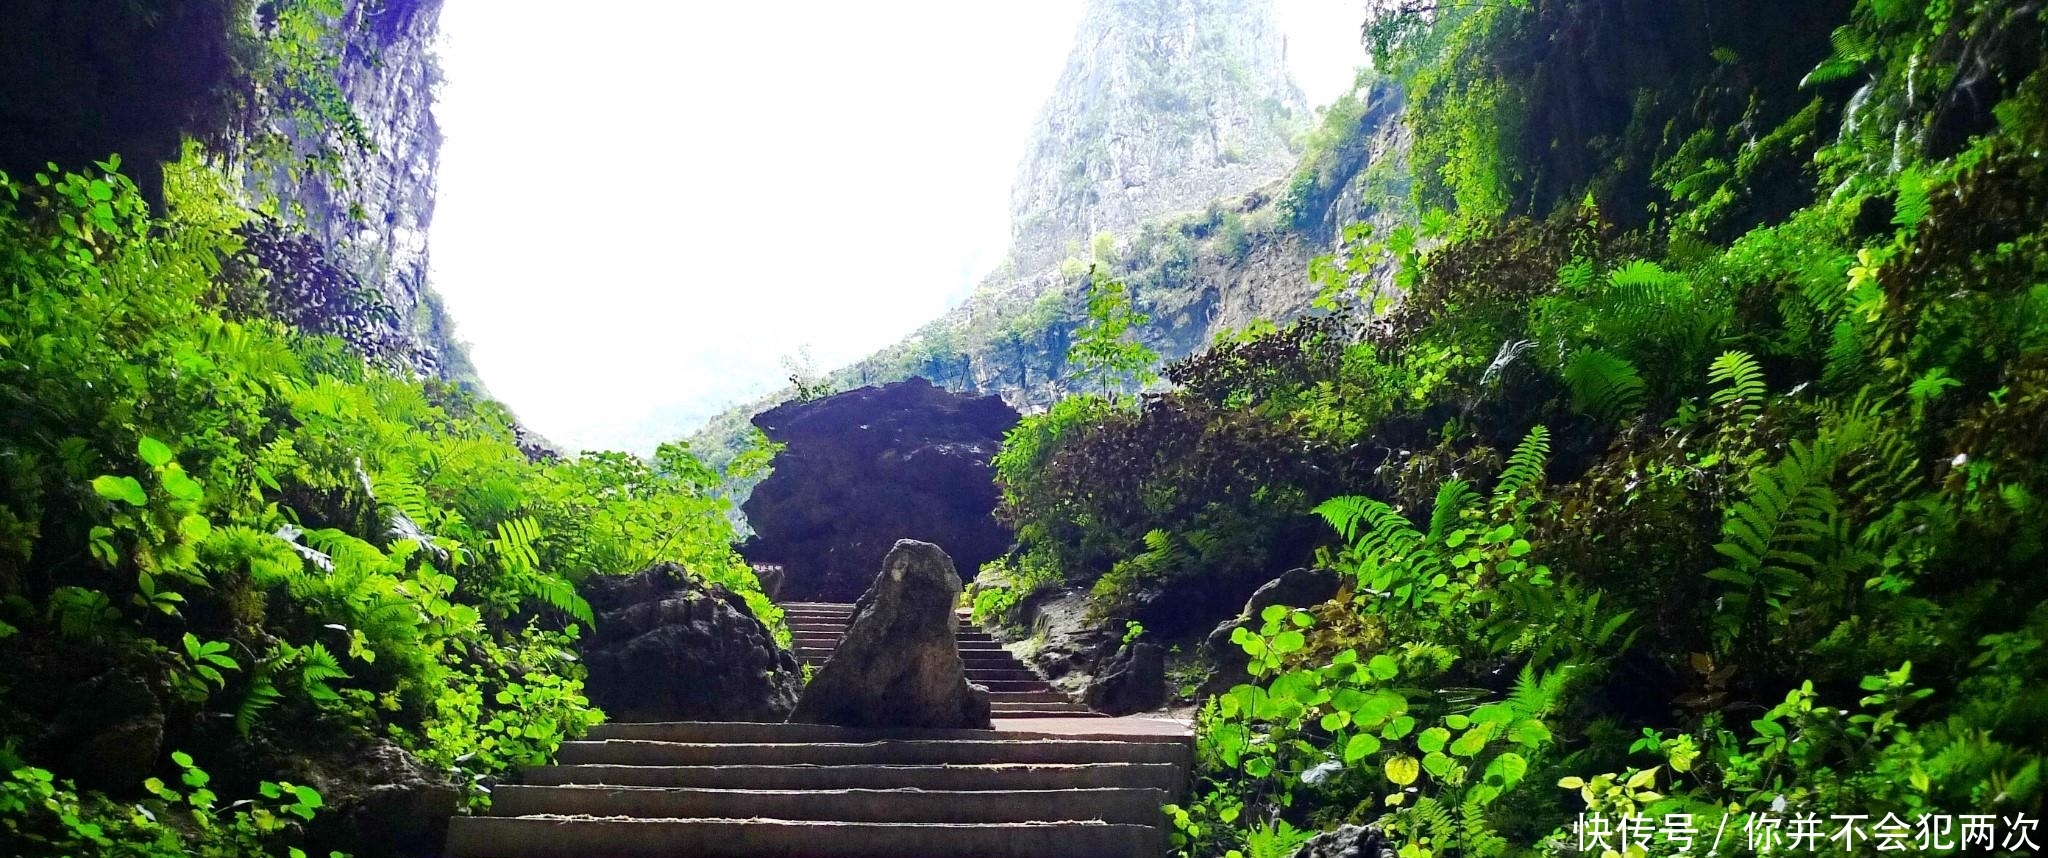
1039 695
887 752
1050 713
1000 707
741 732
552 837
977 675
1129 806
998 776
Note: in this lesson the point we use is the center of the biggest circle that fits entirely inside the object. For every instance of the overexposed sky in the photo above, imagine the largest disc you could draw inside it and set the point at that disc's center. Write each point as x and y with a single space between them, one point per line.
644 207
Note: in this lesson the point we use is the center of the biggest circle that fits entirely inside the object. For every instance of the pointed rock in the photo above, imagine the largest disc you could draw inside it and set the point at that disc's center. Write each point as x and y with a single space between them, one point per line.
899 665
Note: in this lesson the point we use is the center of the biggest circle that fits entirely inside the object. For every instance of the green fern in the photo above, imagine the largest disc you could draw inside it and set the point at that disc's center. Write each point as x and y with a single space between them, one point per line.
1740 385
1768 537
1913 204
261 696
1524 474
1603 386
1453 498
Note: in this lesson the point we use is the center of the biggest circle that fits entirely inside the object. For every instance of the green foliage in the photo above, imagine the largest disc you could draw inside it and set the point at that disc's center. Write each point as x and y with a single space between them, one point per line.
283 536
42 815
1105 350
1779 543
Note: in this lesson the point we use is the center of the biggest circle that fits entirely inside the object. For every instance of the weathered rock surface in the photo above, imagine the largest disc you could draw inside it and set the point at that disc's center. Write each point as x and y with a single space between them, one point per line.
868 467
380 801
1163 106
1295 588
668 647
374 222
899 665
1350 841
1133 680
109 732
1066 642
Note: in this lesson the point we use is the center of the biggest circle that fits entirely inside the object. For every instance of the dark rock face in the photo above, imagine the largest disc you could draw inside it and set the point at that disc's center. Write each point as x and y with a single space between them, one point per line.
1134 680
1350 841
899 665
381 802
670 648
1295 588
871 466
109 732
1066 641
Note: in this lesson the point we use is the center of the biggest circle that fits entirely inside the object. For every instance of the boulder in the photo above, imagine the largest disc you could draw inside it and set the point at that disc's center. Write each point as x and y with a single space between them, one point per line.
1350 841
668 647
867 467
1133 680
899 664
109 732
1295 588
379 800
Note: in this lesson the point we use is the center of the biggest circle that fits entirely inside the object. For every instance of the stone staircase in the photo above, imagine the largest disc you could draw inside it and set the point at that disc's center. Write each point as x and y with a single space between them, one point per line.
1015 691
1080 789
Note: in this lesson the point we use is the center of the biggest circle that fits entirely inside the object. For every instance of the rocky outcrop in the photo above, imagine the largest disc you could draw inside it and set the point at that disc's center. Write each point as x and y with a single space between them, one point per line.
1164 105
1350 841
668 647
1295 588
868 467
109 731
372 220
379 801
1133 680
899 665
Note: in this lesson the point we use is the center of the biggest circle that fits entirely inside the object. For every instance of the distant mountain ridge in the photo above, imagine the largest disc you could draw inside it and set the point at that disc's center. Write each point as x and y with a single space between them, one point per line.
1216 185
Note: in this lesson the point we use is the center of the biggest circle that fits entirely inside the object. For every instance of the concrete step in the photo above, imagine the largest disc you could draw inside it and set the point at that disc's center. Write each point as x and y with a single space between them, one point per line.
978 675
1002 706
1044 695
998 776
887 752
1050 713
1128 806
553 837
770 732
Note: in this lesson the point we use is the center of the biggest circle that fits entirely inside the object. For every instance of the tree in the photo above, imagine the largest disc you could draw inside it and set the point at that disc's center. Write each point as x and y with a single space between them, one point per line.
1105 348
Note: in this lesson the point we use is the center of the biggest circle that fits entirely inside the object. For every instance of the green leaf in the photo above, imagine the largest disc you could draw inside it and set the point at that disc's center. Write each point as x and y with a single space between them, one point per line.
181 486
194 527
1402 770
308 796
1508 769
1288 641
1361 746
125 489
1383 667
1438 765
1432 739
156 453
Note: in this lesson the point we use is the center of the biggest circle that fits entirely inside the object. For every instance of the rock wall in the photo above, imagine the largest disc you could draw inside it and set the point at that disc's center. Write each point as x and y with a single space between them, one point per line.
1163 106
374 221
867 468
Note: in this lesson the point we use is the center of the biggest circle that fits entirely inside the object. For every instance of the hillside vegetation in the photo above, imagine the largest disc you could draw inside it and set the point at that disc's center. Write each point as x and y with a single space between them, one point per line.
236 556
1691 462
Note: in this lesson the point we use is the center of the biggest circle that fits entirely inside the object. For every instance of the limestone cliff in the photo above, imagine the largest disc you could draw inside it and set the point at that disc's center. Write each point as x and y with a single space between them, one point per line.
1163 106
372 219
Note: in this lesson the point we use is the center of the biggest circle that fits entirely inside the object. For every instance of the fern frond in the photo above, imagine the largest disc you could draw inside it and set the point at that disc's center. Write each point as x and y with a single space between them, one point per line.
1344 513
1524 473
1452 499
558 594
1740 384
1603 386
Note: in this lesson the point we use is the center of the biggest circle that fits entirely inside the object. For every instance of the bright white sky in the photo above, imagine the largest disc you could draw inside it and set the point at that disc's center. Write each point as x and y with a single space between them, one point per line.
644 207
